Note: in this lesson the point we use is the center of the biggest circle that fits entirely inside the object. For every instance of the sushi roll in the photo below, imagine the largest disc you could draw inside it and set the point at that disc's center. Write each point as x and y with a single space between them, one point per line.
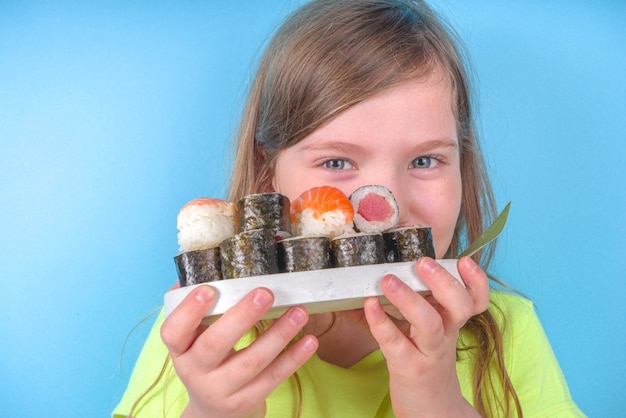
249 253
357 250
265 211
322 211
375 209
303 254
202 224
408 243
199 266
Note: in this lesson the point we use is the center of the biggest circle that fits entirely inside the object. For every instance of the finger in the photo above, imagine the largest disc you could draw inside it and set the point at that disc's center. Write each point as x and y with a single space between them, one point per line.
382 328
427 330
281 368
477 283
217 342
182 326
243 366
400 352
454 302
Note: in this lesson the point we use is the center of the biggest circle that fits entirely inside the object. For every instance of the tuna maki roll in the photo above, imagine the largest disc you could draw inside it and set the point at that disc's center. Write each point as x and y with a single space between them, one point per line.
375 209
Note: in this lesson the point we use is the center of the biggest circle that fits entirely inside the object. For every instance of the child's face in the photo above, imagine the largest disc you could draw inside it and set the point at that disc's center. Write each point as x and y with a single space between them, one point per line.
404 139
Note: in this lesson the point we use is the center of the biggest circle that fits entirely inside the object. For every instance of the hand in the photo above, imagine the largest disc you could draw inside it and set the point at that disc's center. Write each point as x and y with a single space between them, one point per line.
422 360
224 383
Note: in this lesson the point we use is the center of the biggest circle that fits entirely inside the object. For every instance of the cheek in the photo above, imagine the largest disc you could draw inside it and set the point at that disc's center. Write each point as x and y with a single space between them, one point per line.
286 179
442 237
442 217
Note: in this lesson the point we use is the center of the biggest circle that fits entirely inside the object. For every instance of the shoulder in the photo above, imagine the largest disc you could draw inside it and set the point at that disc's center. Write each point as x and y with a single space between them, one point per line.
513 313
518 322
529 358
515 318
506 303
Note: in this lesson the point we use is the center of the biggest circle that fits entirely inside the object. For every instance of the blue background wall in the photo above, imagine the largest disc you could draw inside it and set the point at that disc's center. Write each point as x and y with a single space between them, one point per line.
113 116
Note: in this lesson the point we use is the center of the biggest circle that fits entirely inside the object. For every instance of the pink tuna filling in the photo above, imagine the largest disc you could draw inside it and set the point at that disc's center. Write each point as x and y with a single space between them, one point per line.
374 208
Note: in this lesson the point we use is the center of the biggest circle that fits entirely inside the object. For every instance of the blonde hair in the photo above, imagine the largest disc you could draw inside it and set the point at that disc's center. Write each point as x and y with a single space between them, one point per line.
332 54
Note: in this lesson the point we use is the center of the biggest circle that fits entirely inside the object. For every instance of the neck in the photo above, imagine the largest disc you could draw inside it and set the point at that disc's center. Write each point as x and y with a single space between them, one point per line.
343 341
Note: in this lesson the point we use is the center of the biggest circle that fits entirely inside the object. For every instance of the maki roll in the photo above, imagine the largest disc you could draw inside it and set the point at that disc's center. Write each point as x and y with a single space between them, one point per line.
358 250
202 224
408 243
375 209
249 253
199 266
303 254
322 211
265 211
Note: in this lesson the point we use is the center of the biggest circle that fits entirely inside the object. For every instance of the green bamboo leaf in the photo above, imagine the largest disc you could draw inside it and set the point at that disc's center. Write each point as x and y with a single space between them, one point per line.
490 234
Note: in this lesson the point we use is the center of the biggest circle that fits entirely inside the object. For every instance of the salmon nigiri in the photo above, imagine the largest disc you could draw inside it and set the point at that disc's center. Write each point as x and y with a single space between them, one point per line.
322 211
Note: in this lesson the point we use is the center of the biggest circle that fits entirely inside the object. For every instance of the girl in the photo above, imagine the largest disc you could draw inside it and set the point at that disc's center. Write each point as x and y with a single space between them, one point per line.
351 93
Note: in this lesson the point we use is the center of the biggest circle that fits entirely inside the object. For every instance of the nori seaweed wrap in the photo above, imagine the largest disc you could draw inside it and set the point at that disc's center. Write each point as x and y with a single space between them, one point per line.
249 253
265 211
198 266
408 244
358 250
303 254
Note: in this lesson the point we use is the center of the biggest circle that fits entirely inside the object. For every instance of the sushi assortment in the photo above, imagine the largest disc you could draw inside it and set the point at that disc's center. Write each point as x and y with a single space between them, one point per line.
267 234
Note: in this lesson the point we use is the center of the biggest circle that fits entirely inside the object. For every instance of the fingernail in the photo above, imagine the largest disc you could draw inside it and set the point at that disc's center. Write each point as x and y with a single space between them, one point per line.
310 345
204 294
428 265
296 316
393 283
374 304
470 263
261 298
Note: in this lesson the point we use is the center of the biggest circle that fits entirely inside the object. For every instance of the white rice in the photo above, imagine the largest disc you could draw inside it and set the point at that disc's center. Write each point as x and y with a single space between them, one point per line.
330 224
205 225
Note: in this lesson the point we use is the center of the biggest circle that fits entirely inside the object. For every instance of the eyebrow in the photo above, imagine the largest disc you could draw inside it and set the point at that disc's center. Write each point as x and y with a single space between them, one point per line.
338 146
437 143
347 147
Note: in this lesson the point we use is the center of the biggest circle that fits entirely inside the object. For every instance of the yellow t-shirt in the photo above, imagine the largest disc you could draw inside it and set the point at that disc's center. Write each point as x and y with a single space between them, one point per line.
363 389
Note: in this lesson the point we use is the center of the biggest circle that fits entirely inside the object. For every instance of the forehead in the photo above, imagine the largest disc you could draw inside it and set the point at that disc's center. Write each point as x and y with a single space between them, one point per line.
423 106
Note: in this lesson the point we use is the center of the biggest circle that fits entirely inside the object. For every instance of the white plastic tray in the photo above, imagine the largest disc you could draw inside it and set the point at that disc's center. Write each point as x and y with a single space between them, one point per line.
327 290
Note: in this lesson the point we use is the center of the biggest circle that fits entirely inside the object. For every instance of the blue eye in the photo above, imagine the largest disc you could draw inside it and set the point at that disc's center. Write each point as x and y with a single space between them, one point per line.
423 162
337 164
